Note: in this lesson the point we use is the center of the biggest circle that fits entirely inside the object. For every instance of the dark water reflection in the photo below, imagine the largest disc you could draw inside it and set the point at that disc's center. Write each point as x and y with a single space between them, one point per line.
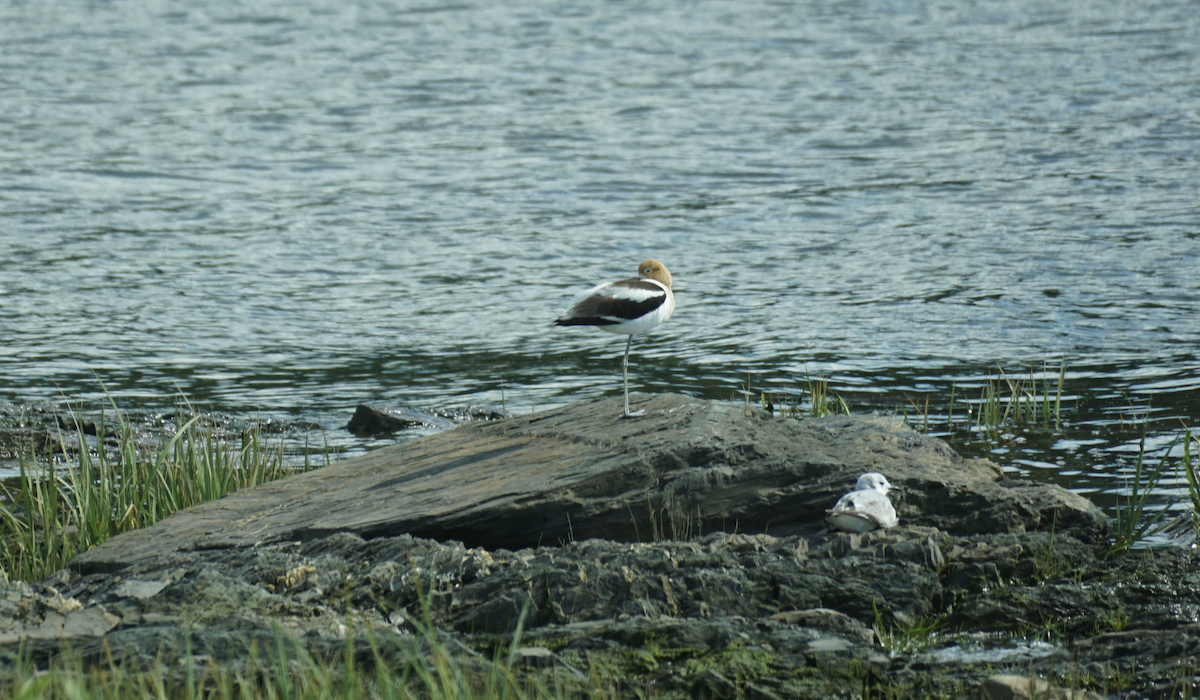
286 209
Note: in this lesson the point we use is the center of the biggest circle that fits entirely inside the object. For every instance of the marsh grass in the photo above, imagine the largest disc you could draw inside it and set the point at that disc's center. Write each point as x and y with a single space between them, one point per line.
909 636
821 402
67 503
1006 401
420 667
1134 523
667 522
1193 481
1010 401
1189 679
1045 564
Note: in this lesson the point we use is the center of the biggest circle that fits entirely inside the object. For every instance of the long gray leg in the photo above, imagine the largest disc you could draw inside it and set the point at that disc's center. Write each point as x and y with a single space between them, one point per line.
625 374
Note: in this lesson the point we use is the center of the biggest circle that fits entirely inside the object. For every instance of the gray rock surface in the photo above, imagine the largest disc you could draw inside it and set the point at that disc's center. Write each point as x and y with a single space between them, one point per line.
688 468
1008 687
684 551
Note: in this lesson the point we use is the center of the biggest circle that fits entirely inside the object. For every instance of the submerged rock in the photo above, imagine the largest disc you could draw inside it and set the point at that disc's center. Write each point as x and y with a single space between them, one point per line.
376 420
686 551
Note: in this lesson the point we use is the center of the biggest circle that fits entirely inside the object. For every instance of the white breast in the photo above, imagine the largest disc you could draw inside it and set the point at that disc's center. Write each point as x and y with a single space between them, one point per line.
861 511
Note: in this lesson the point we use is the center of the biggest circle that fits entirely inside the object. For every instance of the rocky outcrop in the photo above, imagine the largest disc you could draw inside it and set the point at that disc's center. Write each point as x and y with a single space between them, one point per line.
801 616
685 551
690 467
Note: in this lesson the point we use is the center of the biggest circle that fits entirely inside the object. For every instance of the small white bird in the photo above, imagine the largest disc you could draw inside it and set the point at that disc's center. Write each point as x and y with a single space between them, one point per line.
628 306
865 508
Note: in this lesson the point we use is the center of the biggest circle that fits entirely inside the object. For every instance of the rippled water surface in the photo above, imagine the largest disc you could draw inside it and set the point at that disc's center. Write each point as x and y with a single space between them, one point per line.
286 209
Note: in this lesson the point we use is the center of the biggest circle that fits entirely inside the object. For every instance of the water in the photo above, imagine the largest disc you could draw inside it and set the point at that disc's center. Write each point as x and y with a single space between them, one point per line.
983 649
286 209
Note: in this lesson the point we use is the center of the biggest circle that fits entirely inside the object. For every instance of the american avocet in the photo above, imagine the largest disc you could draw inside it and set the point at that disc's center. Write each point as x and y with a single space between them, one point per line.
866 507
629 306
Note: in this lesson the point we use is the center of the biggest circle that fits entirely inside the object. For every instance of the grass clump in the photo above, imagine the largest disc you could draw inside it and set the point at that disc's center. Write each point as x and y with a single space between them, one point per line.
821 402
1030 405
668 522
1006 402
371 666
67 503
902 634
1134 523
1193 481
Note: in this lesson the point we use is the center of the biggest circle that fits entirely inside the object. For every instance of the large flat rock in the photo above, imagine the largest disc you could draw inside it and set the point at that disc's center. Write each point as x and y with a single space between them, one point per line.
688 467
684 551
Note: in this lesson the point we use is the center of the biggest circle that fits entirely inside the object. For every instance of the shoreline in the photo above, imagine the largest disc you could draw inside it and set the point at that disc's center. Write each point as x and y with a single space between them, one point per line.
637 588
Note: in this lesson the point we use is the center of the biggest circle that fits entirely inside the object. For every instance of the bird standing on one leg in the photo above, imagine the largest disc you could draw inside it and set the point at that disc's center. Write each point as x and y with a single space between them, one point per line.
628 306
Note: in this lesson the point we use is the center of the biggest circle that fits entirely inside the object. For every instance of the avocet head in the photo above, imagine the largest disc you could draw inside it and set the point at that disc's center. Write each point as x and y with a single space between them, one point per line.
653 269
872 481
